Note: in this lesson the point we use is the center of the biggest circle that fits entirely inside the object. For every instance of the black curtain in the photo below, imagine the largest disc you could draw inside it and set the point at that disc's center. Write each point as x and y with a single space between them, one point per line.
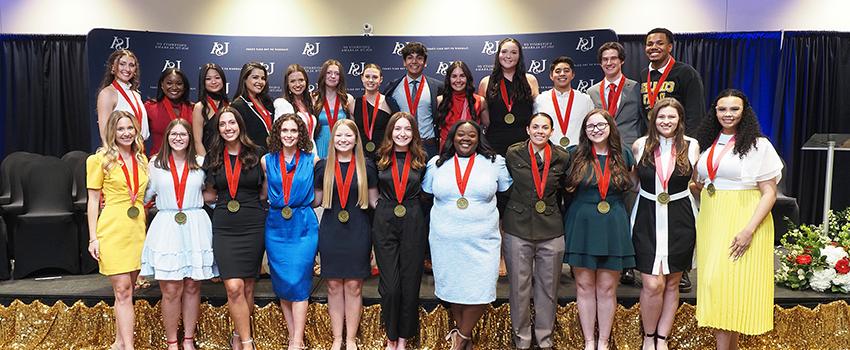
814 77
43 86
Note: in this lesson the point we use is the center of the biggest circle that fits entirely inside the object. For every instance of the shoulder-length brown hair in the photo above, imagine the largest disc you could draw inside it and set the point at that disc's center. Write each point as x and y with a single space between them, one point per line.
386 152
585 156
328 185
683 164
274 143
249 153
165 151
111 63
341 91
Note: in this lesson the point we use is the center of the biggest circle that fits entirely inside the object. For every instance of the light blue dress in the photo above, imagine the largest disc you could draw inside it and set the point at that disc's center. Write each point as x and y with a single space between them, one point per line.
324 138
172 251
291 244
465 243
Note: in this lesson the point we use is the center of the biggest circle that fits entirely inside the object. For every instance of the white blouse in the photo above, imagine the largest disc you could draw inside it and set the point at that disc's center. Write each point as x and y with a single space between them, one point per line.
761 163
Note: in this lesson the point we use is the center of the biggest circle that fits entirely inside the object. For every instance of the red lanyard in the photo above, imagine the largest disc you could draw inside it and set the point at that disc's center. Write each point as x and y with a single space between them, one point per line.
214 105
612 109
710 165
179 184
263 112
603 179
133 188
412 105
232 174
540 181
169 108
653 95
664 176
400 185
286 177
564 119
309 119
367 126
461 182
343 187
508 103
135 104
331 118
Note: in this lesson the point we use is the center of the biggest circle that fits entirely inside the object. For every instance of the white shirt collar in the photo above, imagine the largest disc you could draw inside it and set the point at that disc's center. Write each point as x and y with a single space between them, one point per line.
662 67
617 82
562 94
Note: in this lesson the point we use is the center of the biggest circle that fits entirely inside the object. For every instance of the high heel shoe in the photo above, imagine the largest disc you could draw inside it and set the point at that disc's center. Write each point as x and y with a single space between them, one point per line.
452 338
190 340
169 343
234 341
466 342
249 341
659 337
653 336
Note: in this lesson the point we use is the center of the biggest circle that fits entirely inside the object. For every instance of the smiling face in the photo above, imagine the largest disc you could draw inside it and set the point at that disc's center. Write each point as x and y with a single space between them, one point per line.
213 81
539 130
332 76
402 133
562 75
344 139
289 134
125 132
296 83
458 79
414 63
666 121
611 63
124 68
228 127
729 111
372 79
173 87
466 140
658 48
178 138
509 55
255 82
597 129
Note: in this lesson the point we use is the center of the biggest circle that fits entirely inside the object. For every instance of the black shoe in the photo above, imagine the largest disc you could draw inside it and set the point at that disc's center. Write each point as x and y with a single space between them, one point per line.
628 277
685 283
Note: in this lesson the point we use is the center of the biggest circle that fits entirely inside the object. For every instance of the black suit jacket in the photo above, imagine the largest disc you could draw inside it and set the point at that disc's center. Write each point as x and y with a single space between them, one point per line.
434 86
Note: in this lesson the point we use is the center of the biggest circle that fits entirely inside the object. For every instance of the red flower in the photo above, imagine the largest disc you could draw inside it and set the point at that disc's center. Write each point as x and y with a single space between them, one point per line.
804 259
842 266
834 244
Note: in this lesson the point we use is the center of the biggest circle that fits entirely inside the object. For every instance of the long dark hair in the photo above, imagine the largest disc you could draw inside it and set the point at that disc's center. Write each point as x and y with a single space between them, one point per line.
220 96
446 104
683 163
165 151
304 143
585 156
341 92
746 134
243 76
520 90
248 154
483 148
386 152
109 76
160 94
288 95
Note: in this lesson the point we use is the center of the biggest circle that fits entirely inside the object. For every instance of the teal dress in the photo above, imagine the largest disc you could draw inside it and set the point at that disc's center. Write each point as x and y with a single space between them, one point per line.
595 240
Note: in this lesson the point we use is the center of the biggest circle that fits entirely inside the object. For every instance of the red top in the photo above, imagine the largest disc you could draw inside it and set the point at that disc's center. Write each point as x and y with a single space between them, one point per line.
158 119
457 111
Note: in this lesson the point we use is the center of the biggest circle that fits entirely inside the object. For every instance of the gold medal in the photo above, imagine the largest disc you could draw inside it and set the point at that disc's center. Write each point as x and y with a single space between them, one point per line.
564 141
509 118
663 198
603 207
233 205
180 217
286 212
462 203
133 212
370 146
711 189
540 207
399 211
343 216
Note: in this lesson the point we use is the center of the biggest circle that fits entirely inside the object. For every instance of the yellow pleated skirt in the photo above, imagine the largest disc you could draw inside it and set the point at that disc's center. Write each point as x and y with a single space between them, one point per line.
733 295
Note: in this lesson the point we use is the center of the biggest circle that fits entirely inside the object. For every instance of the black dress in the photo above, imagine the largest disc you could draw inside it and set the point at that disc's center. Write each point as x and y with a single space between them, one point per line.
238 241
501 135
345 247
381 121
254 124
400 244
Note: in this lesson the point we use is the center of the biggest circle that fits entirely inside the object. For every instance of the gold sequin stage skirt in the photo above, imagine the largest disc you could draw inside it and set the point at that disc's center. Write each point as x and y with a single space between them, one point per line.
39 326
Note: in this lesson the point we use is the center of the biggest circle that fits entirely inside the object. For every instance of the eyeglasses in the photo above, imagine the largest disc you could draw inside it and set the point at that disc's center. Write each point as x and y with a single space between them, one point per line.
600 126
178 135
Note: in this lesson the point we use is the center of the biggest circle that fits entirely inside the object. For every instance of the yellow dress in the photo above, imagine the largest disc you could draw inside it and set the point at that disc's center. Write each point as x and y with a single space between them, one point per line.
121 238
736 295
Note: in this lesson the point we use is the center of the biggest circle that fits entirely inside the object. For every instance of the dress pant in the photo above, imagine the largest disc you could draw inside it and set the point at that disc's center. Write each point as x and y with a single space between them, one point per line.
400 245
539 261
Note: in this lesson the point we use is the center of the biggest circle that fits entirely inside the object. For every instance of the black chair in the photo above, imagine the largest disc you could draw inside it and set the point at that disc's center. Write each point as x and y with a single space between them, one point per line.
4 256
77 162
16 165
46 235
7 170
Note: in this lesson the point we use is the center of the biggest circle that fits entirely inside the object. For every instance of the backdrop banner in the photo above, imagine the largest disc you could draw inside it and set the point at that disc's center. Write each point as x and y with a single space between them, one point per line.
188 52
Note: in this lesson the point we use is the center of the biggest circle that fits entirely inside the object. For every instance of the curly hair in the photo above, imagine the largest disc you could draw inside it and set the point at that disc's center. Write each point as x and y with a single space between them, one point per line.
584 156
386 152
483 148
747 131
249 154
683 163
274 143
112 62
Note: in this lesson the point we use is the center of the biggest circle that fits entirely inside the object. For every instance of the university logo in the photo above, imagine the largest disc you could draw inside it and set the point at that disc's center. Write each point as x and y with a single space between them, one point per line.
583 85
356 68
120 43
442 67
171 64
537 67
584 44
310 49
269 67
220 49
398 47
490 48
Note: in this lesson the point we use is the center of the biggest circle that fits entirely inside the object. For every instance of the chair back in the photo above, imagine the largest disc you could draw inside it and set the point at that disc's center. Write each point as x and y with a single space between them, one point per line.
47 187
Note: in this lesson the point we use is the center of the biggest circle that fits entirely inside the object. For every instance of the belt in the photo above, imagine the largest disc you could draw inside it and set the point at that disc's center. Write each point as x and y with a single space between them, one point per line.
673 197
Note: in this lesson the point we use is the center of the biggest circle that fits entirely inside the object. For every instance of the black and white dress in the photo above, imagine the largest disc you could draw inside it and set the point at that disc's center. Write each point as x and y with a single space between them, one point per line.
664 235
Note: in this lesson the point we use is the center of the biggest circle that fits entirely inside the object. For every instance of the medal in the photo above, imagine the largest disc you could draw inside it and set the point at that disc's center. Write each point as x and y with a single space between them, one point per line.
563 119
331 117
603 207
232 175
664 176
711 166
663 198
286 212
343 187
399 211
538 179
179 187
400 184
462 203
133 188
286 178
603 179
180 217
711 189
509 118
412 105
652 94
369 127
343 216
264 113
612 108
134 103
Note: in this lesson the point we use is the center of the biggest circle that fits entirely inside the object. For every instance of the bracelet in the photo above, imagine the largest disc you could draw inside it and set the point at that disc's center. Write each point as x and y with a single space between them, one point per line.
92 240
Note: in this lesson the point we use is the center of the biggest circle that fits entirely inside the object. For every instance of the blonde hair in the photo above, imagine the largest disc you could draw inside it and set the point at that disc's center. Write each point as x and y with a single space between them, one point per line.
359 162
110 150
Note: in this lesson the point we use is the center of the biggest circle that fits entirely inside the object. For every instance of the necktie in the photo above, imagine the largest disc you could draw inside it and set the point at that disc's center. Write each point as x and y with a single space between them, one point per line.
413 89
612 89
539 159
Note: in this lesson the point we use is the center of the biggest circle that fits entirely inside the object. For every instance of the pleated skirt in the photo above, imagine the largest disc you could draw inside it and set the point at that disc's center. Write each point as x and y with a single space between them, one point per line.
733 295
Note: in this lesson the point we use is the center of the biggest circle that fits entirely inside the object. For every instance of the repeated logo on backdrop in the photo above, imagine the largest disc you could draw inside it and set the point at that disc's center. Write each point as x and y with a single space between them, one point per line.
188 52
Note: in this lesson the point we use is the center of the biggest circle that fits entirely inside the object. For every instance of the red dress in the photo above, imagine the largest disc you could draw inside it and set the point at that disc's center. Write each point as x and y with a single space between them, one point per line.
456 112
158 119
